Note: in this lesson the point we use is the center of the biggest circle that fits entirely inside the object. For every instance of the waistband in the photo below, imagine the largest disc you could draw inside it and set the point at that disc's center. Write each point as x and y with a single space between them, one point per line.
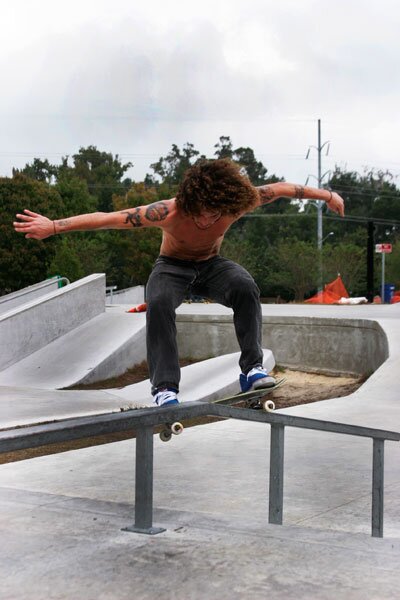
178 261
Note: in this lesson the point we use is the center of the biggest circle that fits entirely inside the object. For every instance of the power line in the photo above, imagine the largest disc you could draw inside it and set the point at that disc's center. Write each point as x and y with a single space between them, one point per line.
350 218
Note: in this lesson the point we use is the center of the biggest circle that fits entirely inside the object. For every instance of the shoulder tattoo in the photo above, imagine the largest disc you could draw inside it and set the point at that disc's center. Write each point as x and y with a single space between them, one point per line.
267 194
157 211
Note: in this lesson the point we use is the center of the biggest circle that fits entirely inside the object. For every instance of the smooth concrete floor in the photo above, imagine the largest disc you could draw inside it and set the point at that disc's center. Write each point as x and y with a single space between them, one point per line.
61 516
61 520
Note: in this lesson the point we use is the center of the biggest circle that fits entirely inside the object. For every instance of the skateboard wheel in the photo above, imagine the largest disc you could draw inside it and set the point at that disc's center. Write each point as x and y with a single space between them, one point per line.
165 435
176 428
269 406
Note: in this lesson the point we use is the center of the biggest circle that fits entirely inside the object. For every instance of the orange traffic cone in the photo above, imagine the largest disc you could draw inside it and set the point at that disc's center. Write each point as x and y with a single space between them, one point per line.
138 308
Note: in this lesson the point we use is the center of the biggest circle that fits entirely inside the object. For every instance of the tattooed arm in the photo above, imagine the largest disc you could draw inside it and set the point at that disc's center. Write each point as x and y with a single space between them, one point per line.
39 227
271 192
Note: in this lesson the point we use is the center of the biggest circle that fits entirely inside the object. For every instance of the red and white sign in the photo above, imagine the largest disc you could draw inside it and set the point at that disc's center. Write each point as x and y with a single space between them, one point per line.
383 248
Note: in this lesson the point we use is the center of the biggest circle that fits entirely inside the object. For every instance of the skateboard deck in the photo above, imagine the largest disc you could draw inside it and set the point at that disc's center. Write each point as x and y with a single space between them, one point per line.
252 399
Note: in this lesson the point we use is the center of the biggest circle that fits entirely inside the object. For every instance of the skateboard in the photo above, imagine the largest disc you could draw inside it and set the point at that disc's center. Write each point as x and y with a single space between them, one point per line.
252 399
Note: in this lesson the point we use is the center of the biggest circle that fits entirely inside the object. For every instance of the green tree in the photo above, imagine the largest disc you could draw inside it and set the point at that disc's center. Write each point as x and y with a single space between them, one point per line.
75 195
66 261
224 148
24 261
372 194
103 173
295 267
254 169
40 170
171 168
348 261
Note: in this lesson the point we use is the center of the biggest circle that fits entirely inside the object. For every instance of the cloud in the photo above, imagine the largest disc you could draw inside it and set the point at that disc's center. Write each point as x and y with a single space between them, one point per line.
124 77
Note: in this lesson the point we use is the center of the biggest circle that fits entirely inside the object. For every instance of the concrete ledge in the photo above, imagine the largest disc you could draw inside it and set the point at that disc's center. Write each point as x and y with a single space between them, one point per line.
129 296
27 294
336 346
32 326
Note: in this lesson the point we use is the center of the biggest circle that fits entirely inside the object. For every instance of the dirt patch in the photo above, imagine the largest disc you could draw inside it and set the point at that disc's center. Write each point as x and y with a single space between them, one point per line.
300 387
303 388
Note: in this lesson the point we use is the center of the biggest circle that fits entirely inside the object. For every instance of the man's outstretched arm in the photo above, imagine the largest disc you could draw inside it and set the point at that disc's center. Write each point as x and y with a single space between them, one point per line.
39 227
271 192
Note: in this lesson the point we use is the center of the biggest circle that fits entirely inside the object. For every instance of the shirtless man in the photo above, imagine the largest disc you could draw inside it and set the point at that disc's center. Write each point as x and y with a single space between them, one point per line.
213 195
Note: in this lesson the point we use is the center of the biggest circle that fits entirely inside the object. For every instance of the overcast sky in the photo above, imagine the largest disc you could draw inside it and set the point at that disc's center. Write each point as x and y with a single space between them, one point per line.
135 77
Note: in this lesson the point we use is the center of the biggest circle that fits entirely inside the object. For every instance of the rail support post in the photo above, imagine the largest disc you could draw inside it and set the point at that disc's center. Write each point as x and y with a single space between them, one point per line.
276 469
144 484
377 487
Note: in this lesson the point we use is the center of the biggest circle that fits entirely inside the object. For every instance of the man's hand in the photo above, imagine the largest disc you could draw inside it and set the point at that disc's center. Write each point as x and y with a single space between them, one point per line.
34 226
336 204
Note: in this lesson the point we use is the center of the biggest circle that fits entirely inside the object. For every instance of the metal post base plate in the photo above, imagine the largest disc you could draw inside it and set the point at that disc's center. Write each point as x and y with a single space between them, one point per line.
146 530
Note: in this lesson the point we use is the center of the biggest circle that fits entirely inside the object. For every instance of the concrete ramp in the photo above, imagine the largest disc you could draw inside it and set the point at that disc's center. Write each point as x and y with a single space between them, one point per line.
32 406
103 347
28 406
33 325
205 380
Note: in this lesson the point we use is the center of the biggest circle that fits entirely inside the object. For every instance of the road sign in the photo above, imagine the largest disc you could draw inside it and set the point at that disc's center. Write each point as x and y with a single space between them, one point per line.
383 248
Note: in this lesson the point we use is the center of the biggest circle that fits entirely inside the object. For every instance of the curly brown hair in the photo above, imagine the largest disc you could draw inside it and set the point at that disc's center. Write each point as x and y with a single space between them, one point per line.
215 185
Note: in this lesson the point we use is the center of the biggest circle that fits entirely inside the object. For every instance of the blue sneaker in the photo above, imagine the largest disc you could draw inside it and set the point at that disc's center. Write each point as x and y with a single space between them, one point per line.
256 379
165 397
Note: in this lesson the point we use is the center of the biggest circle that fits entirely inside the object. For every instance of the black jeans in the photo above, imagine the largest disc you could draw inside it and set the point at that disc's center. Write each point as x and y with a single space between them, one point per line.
217 278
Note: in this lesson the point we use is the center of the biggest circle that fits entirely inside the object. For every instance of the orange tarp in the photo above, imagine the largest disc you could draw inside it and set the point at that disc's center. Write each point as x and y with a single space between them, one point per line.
332 293
395 298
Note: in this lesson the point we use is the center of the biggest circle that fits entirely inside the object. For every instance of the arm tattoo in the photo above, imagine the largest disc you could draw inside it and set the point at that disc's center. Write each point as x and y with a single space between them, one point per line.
134 218
157 211
63 223
267 194
299 192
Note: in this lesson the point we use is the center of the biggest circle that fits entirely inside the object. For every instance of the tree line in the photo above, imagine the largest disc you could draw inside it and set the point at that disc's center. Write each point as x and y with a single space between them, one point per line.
277 243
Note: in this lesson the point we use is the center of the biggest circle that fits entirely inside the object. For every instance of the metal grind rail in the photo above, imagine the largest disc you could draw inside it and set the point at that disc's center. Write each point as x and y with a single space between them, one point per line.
143 422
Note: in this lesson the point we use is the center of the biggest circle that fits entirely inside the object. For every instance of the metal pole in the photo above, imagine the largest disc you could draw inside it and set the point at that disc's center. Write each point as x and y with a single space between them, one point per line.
377 487
383 279
144 484
319 212
370 261
276 469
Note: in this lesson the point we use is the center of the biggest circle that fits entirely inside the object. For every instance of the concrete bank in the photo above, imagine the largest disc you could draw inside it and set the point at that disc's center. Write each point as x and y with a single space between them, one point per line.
326 345
105 346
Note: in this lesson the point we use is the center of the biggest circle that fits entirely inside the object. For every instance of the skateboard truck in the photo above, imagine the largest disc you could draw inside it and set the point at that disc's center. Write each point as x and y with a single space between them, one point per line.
169 430
267 405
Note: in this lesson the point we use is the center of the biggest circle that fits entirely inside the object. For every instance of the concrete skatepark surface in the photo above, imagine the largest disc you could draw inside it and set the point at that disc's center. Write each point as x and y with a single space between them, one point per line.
62 515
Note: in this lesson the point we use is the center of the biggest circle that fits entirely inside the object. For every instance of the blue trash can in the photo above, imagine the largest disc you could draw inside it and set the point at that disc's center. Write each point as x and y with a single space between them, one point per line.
388 292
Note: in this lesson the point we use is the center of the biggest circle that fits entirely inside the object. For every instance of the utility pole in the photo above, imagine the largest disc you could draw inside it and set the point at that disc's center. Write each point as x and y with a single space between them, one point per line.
319 203
370 261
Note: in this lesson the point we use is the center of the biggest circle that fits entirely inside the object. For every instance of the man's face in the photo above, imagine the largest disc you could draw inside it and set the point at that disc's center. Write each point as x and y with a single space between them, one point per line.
207 218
